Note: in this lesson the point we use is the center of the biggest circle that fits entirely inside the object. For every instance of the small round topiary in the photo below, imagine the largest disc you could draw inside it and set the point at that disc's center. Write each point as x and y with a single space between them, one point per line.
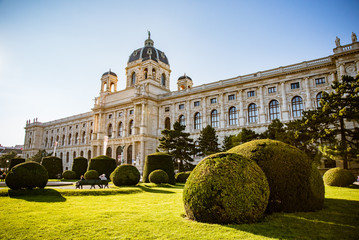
27 175
125 175
158 176
159 160
338 177
91 174
68 174
288 172
226 188
181 177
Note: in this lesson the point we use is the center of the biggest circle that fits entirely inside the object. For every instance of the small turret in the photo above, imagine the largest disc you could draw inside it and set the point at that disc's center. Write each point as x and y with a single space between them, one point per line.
184 82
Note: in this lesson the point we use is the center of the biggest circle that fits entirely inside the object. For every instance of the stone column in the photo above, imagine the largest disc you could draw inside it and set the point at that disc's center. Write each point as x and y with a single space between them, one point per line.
133 152
308 103
341 70
143 116
285 113
173 120
241 109
357 66
143 154
204 112
188 116
262 116
124 124
222 121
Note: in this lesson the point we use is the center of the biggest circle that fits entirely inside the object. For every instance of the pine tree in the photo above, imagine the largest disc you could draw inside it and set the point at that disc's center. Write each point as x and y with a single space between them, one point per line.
227 143
178 144
39 155
208 141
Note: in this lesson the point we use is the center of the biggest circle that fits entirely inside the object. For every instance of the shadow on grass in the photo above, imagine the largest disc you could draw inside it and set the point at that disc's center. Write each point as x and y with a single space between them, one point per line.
99 192
37 195
338 220
151 189
353 186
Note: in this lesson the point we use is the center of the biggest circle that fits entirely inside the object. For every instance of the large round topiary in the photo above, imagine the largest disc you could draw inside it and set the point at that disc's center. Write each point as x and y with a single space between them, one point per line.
287 169
158 176
317 193
16 161
125 175
102 164
53 166
338 177
68 174
159 160
91 174
226 188
181 177
79 166
27 175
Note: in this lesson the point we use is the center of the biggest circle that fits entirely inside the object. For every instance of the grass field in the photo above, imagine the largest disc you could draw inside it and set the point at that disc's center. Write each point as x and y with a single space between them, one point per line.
156 212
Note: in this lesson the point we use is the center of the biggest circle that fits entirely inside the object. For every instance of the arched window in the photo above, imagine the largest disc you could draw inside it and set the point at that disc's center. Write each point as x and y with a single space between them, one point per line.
133 78
119 154
214 118
120 129
76 138
145 73
83 137
154 73
46 141
252 113
232 116
297 106
129 154
109 152
168 123
74 155
109 130
63 140
274 110
89 154
105 87
197 121
57 139
67 157
163 80
182 120
51 143
112 87
69 142
91 132
30 143
130 129
318 97
82 153
61 155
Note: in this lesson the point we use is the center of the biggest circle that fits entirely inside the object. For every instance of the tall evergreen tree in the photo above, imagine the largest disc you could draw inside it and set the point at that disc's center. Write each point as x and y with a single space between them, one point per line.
178 144
39 155
245 135
227 143
208 141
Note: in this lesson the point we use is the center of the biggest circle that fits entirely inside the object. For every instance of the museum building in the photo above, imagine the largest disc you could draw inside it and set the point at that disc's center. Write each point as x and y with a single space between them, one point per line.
126 124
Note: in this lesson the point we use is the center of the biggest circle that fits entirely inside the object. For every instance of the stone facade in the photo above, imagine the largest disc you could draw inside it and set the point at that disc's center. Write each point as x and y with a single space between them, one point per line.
132 119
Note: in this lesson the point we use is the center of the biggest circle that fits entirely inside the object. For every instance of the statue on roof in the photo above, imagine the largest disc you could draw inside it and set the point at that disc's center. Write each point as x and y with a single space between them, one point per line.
337 41
354 37
149 34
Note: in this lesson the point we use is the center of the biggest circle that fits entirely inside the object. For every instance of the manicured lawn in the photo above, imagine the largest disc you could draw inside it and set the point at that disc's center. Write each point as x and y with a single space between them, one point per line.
152 212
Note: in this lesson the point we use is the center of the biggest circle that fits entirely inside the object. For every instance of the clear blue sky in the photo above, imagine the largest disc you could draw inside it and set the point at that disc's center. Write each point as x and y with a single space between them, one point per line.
53 53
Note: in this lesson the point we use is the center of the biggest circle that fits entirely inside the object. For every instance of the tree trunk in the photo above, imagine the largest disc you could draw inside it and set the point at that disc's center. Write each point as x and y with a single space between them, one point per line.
343 143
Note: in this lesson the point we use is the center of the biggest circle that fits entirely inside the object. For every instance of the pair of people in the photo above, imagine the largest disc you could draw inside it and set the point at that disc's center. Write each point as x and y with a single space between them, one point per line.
102 177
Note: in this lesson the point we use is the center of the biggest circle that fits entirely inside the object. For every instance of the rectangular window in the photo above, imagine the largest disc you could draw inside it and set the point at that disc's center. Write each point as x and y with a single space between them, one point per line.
213 100
167 109
196 103
231 97
109 116
294 85
120 114
319 80
131 111
181 106
272 90
251 93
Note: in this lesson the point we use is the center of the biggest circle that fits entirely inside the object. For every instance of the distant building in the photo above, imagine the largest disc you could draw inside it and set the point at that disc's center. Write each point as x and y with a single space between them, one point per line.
18 149
132 118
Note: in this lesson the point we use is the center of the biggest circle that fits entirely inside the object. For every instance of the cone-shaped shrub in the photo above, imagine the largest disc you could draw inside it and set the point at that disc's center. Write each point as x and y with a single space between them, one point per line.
158 176
287 169
159 160
79 166
68 174
226 188
15 161
338 177
91 174
102 164
125 175
53 166
27 175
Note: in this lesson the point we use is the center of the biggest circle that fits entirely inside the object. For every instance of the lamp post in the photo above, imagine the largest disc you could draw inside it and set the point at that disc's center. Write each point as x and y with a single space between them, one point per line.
179 165
7 165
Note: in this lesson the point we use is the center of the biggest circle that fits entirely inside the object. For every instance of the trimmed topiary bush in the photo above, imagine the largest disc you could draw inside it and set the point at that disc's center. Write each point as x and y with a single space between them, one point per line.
288 172
181 177
27 175
159 160
125 175
53 166
317 193
102 164
16 161
68 174
226 188
91 174
338 177
158 176
79 166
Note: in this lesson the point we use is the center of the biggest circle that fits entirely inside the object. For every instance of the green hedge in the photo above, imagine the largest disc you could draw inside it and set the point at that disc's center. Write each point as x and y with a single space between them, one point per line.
159 160
181 177
317 193
287 169
68 174
91 174
158 176
79 166
226 188
125 175
338 177
16 161
53 166
102 164
27 175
